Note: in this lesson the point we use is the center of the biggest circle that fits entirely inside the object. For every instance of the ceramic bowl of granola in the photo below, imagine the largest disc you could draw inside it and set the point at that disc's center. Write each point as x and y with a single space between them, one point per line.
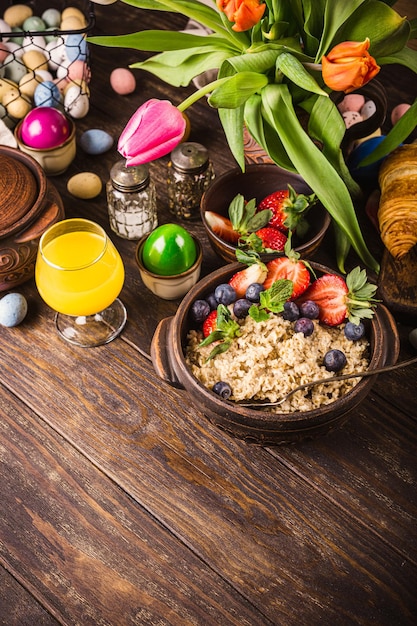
258 182
179 360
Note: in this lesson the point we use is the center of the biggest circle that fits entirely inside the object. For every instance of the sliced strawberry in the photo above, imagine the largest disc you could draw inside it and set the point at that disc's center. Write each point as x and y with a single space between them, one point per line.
210 323
291 268
275 202
330 292
240 281
221 226
272 238
339 299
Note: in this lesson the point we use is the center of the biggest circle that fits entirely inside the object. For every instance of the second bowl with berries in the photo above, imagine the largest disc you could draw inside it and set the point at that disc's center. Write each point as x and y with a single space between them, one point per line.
258 209
246 337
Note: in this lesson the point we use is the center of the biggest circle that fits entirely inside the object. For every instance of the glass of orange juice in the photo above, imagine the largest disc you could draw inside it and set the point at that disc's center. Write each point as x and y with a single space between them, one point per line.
79 274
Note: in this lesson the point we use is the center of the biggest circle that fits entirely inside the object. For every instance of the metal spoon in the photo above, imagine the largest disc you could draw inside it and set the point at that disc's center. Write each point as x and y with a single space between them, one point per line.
312 383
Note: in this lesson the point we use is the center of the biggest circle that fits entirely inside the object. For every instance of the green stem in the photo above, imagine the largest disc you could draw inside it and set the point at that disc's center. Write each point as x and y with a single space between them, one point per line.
201 92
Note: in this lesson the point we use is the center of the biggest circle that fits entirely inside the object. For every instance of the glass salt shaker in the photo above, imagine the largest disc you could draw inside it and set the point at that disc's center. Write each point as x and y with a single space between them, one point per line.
131 200
190 172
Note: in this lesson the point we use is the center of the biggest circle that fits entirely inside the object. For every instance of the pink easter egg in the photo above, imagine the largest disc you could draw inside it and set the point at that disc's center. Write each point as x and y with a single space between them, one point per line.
4 51
398 112
351 102
44 127
79 70
122 81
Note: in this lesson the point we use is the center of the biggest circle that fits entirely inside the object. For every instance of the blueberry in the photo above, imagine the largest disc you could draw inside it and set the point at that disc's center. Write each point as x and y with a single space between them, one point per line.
309 309
334 360
354 331
211 299
241 307
253 292
199 311
225 294
222 389
291 311
304 325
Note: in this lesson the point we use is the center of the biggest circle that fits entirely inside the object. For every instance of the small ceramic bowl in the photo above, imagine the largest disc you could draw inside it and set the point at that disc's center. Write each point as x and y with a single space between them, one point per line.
256 425
54 161
258 181
169 287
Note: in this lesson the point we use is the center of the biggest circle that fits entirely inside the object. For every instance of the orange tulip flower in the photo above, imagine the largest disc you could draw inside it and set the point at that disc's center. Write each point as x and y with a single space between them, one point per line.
244 13
349 66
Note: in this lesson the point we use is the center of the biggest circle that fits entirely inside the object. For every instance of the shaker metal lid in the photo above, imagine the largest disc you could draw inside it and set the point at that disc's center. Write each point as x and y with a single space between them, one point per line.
189 156
130 178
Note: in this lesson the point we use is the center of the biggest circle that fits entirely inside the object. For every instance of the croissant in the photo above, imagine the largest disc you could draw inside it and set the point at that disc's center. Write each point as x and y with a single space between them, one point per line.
397 212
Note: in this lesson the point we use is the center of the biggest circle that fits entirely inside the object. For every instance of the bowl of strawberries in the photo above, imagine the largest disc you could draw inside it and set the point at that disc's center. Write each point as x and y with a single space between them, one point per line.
259 209
275 352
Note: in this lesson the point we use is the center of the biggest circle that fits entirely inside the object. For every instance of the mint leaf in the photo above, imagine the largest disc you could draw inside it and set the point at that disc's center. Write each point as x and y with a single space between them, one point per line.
258 314
227 329
275 297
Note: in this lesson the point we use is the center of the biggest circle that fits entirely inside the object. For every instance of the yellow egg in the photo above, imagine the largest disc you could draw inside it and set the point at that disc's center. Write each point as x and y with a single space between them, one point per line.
35 60
72 22
5 86
17 14
85 185
16 105
73 12
28 84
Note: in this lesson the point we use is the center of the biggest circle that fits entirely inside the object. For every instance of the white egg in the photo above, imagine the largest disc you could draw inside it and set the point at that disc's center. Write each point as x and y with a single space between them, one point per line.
13 309
76 104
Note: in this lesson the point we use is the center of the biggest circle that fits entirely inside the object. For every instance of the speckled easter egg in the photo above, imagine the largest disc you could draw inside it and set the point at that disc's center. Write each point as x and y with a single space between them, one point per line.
76 47
85 185
169 250
33 23
16 104
77 104
96 141
4 51
51 17
122 81
17 14
351 102
79 70
351 117
398 111
47 94
35 60
13 309
45 127
368 109
14 68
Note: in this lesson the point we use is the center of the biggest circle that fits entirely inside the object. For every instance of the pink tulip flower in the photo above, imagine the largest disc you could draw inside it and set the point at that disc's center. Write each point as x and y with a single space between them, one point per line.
155 129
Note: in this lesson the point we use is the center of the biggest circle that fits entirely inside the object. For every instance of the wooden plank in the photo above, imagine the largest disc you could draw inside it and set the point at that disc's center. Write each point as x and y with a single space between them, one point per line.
18 607
267 530
92 555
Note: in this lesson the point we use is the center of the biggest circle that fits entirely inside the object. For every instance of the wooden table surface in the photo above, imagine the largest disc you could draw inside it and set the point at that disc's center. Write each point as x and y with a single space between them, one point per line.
121 504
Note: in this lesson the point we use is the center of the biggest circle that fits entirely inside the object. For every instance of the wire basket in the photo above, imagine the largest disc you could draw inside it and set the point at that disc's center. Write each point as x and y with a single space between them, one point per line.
64 72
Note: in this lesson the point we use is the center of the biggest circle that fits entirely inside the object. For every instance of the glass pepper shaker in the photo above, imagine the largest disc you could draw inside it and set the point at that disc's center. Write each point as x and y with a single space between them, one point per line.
190 172
131 200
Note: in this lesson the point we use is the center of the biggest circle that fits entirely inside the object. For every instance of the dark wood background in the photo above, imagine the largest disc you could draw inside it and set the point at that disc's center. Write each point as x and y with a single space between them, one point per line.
121 504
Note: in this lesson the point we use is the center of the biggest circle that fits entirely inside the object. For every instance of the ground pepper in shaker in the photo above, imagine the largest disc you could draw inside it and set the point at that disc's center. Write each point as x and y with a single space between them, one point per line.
131 200
190 172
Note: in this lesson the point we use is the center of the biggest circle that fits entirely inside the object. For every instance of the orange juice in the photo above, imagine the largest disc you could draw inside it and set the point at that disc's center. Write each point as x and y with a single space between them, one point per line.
79 272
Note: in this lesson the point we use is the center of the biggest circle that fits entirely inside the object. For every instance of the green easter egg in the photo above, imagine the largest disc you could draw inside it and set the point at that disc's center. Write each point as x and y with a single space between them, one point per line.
169 250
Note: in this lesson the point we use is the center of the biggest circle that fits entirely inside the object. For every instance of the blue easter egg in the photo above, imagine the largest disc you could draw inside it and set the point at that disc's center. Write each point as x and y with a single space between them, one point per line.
368 175
13 309
96 141
47 94
76 47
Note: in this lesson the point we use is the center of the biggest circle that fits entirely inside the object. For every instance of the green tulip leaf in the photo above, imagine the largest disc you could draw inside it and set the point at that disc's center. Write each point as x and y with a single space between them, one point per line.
161 41
232 122
296 72
237 89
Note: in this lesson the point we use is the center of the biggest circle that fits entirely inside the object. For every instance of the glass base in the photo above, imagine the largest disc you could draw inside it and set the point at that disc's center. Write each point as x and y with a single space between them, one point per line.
89 331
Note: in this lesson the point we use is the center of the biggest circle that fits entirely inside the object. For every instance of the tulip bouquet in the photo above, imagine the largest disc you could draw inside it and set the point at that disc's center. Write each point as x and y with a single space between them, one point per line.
273 59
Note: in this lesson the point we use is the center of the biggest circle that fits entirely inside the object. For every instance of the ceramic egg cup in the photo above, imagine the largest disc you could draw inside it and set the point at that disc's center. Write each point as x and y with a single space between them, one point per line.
174 286
56 160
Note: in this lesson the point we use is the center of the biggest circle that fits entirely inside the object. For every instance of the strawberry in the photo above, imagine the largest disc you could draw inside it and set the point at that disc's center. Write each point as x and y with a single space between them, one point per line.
255 272
275 203
288 209
221 226
339 299
291 268
271 238
210 323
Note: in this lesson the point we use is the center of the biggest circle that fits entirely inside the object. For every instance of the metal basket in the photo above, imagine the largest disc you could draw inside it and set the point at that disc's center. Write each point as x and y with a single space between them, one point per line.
58 68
